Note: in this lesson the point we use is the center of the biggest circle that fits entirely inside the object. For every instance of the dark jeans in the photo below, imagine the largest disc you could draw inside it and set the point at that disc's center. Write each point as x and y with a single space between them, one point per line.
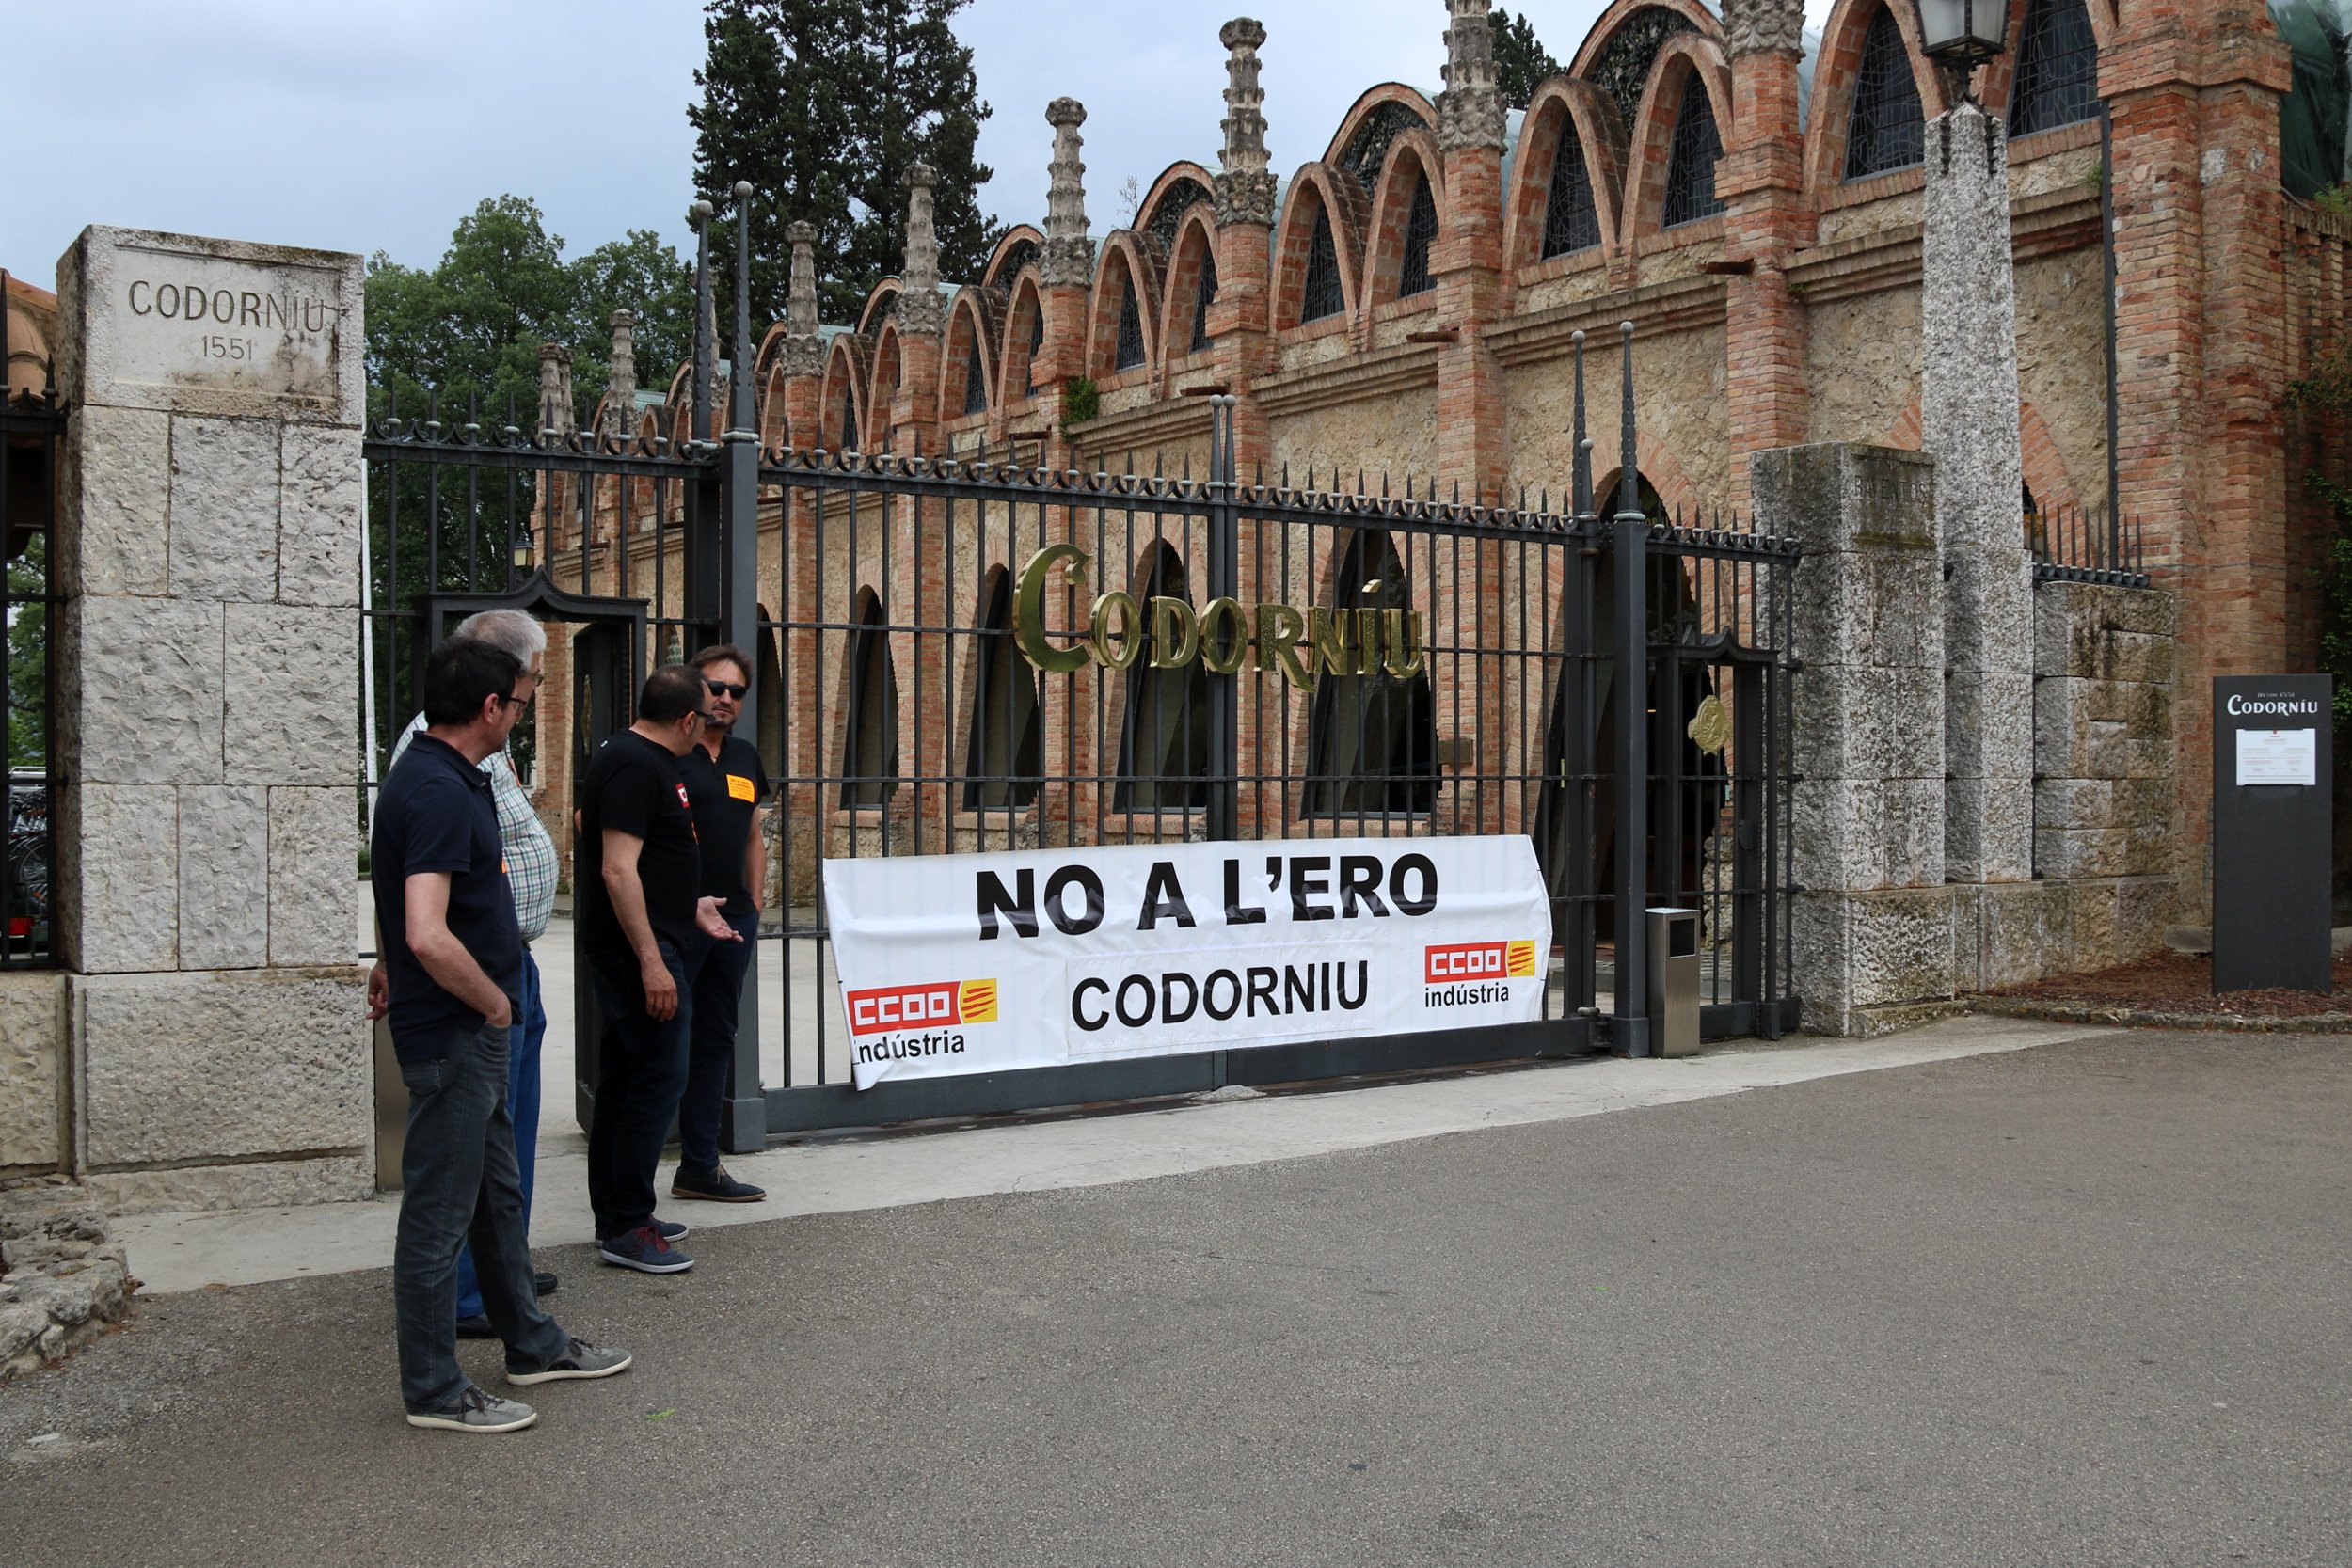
718 977
639 1079
523 1042
460 1183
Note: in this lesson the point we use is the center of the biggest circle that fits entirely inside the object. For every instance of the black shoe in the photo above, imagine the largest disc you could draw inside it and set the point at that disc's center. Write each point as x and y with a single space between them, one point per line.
543 1283
476 1327
718 1187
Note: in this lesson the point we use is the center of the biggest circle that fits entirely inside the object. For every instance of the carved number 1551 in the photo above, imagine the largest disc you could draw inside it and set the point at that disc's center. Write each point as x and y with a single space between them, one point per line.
217 347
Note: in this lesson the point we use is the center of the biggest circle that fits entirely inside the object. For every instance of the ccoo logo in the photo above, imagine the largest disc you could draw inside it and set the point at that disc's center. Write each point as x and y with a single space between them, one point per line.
919 1007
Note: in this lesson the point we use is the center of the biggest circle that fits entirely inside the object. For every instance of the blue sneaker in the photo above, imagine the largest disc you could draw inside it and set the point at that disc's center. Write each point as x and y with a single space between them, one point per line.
670 1230
645 1251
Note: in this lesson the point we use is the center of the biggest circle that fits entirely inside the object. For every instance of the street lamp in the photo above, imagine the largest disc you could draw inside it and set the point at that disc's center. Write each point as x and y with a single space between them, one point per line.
1959 36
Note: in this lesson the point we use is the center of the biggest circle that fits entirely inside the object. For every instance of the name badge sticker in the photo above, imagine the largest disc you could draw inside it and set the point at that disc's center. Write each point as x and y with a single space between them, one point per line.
740 789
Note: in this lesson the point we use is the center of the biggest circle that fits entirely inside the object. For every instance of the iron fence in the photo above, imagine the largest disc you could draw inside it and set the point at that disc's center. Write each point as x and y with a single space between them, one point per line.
33 423
2070 544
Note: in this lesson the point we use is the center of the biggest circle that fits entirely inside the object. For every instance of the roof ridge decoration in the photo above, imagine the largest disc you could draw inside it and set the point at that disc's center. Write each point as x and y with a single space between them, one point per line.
1245 183
803 351
1757 26
1471 110
921 308
1068 255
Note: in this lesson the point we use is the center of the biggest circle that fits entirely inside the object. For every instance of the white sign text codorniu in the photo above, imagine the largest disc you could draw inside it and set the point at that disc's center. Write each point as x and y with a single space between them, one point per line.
954 964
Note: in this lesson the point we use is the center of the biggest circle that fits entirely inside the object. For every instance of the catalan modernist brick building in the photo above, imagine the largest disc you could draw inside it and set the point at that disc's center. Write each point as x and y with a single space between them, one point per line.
1749 194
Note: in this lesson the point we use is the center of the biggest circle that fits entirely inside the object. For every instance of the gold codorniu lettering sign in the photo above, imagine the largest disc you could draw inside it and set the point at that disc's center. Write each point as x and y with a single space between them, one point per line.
1221 636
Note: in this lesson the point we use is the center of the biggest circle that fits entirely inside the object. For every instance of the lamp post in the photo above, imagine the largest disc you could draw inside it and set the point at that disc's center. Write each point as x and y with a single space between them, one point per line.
1959 36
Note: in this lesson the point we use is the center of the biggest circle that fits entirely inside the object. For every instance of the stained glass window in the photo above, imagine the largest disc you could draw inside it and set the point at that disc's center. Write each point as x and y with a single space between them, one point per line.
1130 328
849 419
1004 762
1036 341
2058 68
1571 222
1323 295
1690 166
1204 295
974 379
869 760
1885 129
1420 232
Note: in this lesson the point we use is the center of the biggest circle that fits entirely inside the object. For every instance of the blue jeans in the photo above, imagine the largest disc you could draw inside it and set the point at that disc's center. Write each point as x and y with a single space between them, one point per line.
640 1078
710 1045
523 1042
460 1183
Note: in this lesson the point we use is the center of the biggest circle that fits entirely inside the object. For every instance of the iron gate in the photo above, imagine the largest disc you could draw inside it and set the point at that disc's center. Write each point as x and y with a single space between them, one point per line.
959 652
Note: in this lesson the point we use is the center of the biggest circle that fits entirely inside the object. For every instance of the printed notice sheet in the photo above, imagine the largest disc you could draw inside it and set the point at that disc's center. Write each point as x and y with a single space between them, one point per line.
2278 757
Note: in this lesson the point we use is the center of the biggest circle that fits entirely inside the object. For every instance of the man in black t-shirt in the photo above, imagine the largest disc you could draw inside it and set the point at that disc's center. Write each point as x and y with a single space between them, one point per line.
448 981
642 922
726 784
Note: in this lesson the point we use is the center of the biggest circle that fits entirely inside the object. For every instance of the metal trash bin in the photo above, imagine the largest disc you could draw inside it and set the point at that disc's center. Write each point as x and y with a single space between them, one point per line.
1673 982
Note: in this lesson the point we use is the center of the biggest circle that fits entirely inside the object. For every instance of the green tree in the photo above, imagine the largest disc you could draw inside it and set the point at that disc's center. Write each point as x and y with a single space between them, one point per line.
823 106
1521 62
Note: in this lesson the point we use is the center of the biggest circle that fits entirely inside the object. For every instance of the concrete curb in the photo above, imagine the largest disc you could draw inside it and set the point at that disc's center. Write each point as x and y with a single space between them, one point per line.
2142 1017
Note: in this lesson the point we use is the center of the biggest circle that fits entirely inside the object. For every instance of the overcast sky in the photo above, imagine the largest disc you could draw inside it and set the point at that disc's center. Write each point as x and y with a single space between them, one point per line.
375 127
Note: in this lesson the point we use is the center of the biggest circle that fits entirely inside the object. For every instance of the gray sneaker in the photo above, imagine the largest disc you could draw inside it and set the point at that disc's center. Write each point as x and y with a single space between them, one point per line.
478 1410
580 1360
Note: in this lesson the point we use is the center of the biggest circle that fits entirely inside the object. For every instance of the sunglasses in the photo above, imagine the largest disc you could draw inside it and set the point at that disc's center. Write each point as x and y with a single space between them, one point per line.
727 689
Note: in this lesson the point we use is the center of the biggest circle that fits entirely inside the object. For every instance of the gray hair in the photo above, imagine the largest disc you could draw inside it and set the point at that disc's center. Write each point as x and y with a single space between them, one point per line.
510 629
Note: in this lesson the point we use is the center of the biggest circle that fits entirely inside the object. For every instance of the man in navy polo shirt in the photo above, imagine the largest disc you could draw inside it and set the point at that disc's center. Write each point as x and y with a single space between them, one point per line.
450 980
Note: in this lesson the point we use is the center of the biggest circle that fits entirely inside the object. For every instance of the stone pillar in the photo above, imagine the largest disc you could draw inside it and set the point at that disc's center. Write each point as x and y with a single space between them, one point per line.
1471 437
208 559
1968 411
620 390
1065 270
1874 932
1761 180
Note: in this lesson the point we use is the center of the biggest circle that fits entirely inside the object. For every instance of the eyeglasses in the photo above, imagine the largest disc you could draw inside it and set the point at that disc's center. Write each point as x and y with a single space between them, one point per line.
705 715
515 702
726 689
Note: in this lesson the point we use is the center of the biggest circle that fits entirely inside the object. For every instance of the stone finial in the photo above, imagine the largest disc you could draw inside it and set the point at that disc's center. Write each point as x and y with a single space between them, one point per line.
620 393
801 353
1755 26
920 309
556 415
1245 186
1471 110
1069 254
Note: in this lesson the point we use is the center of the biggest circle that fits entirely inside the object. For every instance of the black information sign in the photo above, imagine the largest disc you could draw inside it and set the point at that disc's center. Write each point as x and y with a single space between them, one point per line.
2273 748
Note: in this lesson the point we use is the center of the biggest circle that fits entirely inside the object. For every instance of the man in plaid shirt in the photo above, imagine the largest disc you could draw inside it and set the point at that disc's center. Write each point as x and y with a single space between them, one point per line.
531 872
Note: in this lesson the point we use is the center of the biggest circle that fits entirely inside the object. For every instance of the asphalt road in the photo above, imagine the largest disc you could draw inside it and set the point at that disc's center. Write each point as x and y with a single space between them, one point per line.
2085 1303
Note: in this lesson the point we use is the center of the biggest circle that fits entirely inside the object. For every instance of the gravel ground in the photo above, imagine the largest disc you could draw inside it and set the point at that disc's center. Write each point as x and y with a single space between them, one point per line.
2182 983
2085 1303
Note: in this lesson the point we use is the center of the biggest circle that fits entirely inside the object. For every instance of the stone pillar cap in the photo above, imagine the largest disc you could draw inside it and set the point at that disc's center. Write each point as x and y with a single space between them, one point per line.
1065 111
1243 32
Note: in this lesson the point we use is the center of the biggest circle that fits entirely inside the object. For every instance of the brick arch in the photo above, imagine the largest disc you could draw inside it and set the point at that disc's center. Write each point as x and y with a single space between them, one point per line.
1601 131
1127 257
1998 76
1028 305
1655 461
1184 168
849 368
1834 74
1413 156
1605 26
883 387
1909 428
974 311
1371 100
774 421
1195 241
1686 59
879 299
1318 187
1014 238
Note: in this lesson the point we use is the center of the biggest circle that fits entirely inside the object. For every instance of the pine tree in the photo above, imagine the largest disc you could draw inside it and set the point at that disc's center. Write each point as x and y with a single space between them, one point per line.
823 106
1521 62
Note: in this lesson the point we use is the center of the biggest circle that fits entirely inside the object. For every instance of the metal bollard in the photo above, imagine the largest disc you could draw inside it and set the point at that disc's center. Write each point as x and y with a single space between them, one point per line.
1673 982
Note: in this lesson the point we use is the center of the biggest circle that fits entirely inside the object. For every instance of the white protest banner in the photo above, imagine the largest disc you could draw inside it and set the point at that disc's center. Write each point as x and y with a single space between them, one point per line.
953 964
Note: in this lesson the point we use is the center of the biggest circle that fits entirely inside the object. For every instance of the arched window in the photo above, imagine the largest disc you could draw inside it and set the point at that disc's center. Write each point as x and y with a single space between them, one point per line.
1163 755
1204 295
1130 352
1006 762
1571 221
772 712
1885 128
2058 68
849 419
1372 740
1036 341
1690 166
869 752
1420 232
974 379
1322 296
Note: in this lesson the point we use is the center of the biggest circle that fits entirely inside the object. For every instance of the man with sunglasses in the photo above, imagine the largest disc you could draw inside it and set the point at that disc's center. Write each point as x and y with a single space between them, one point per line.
725 783
642 924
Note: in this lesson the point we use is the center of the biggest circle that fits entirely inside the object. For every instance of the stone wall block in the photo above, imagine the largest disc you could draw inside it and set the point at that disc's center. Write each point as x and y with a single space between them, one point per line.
224 509
1867 832
313 881
293 716
2012 935
1868 721
2080 852
319 517
32 1077
115 479
151 690
217 1067
1874 608
1989 725
2075 803
224 915
1868 949
119 847
1988 615
2144 906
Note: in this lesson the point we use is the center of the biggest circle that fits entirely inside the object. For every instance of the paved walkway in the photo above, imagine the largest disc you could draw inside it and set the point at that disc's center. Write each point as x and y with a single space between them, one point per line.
2080 1303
